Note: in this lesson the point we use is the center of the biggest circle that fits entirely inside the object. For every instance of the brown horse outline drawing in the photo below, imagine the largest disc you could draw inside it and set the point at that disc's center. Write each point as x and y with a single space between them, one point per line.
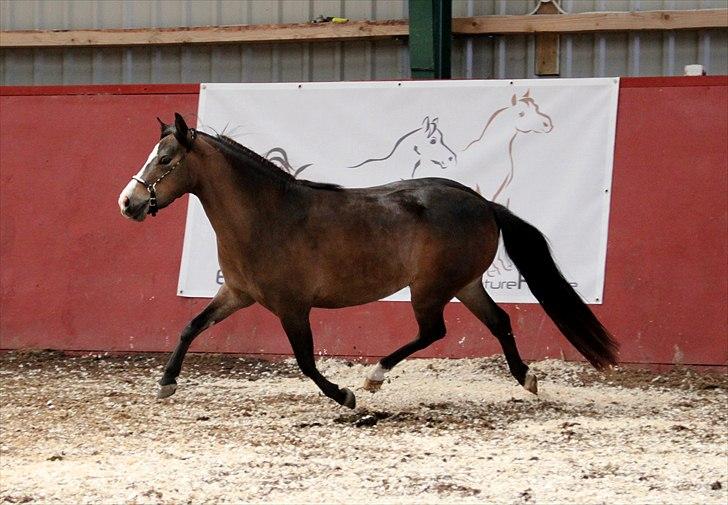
522 116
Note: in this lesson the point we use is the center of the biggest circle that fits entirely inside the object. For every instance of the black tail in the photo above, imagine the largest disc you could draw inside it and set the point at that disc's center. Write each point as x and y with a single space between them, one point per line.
528 249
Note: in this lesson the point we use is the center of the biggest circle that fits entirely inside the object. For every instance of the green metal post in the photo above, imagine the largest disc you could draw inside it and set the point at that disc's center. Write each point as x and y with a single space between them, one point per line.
430 33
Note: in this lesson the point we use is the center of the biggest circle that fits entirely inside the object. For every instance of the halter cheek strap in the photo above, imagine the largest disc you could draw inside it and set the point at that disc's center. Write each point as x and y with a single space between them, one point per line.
152 187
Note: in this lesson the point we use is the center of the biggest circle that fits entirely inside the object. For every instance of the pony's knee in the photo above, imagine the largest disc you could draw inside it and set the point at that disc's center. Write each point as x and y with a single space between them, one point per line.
437 331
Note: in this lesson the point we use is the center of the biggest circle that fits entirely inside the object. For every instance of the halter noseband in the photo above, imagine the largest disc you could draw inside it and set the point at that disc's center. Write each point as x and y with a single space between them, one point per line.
152 187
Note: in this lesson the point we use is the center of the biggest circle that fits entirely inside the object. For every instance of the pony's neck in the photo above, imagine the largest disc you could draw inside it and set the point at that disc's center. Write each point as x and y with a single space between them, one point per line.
235 195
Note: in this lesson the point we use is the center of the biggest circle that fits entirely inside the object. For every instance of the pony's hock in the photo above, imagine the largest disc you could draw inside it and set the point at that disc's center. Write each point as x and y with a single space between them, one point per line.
410 233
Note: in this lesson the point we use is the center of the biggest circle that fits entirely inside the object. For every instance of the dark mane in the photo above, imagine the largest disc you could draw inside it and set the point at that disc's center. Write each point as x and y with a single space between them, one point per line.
238 153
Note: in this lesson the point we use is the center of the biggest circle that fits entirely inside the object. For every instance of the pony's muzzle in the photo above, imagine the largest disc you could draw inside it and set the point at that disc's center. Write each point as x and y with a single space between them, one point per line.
133 204
137 212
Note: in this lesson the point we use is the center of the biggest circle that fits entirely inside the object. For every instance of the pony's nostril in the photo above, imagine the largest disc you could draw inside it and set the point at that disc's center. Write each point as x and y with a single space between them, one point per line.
125 202
450 158
545 123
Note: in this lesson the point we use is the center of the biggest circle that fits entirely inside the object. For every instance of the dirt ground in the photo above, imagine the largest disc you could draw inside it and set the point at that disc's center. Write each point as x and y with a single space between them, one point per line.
88 429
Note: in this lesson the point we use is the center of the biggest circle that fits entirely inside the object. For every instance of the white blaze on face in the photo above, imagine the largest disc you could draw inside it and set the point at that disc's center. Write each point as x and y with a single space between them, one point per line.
127 191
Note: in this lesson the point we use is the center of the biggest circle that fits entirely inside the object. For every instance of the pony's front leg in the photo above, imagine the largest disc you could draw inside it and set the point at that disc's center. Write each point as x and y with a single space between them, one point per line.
298 329
225 302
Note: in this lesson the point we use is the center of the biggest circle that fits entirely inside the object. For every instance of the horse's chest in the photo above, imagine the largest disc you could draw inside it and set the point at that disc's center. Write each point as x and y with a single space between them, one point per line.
262 271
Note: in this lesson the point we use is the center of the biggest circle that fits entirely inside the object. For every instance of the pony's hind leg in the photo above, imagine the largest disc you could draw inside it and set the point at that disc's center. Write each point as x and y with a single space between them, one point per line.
431 328
475 298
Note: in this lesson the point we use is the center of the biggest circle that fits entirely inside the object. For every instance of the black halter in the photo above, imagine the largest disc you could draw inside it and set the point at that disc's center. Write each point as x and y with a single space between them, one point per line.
152 187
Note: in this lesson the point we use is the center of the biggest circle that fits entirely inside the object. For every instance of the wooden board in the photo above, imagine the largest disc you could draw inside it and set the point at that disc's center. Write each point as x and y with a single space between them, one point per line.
547 45
309 32
368 30
593 22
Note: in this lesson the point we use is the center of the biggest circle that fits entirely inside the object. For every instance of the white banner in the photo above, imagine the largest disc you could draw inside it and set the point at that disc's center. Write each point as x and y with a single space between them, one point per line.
543 148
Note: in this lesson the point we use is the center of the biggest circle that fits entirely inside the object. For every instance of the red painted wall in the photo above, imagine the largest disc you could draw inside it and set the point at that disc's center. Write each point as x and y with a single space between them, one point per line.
77 276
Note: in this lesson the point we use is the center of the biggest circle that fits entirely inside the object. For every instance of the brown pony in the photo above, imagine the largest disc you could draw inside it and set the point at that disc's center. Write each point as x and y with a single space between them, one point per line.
291 245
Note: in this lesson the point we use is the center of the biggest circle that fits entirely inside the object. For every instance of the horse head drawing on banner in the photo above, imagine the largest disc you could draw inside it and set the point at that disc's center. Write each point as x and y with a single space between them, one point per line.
530 119
422 146
522 116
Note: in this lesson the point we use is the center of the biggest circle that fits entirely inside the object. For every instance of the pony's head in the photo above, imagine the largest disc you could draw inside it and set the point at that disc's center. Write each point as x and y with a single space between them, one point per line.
164 177
528 118
430 145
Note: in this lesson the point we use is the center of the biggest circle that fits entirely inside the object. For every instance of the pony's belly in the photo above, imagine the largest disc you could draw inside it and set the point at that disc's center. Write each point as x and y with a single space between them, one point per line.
348 299
356 290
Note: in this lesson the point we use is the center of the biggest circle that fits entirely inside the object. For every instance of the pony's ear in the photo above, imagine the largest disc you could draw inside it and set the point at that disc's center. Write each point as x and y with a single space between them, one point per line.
181 131
527 94
426 121
514 100
164 129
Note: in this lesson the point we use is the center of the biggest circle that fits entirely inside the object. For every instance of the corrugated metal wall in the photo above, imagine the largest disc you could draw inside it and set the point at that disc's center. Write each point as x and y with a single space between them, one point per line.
636 54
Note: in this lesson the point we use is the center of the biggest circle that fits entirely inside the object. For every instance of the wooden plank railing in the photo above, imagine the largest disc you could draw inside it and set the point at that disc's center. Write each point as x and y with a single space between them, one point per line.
368 30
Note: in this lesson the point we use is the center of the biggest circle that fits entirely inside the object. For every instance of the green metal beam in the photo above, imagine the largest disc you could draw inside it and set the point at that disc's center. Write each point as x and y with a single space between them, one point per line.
430 26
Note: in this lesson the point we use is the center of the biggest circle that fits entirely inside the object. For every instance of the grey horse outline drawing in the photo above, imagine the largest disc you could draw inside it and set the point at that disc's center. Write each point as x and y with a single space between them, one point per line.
425 143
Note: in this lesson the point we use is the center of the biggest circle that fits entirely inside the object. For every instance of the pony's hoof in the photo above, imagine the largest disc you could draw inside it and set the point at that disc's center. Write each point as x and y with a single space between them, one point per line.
372 385
350 400
530 383
166 391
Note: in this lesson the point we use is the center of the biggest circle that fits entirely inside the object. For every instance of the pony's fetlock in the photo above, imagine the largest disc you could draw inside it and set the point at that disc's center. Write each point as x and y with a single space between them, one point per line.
372 385
530 383
375 378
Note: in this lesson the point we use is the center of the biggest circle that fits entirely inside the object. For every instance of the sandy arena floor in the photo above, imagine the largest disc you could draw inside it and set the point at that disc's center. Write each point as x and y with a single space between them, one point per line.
89 430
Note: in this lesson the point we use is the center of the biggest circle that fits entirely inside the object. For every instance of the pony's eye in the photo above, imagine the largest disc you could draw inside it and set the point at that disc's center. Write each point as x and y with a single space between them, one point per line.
521 114
164 160
432 141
